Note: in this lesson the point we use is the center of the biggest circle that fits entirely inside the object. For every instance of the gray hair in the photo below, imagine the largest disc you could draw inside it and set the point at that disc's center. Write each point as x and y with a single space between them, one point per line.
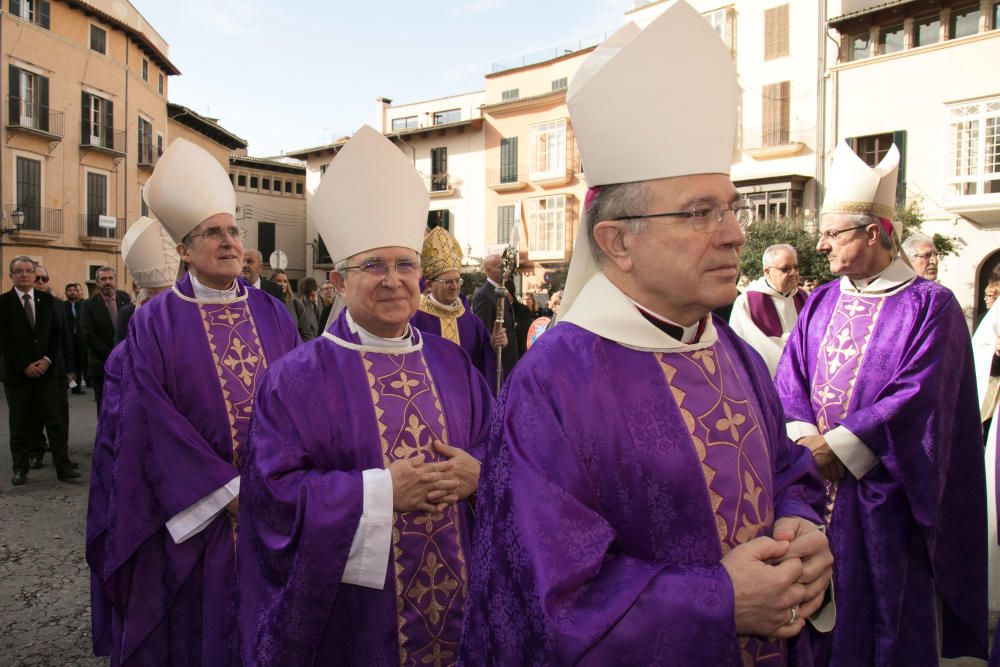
254 251
22 258
105 269
615 201
772 250
911 243
884 240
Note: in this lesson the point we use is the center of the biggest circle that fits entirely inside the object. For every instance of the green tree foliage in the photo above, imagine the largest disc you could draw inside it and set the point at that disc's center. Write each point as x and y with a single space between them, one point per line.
912 217
761 235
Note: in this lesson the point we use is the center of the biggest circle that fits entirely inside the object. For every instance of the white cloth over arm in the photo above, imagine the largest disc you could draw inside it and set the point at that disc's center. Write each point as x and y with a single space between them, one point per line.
369 556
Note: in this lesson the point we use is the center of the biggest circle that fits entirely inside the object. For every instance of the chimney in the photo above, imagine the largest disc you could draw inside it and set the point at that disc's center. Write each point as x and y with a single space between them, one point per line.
382 104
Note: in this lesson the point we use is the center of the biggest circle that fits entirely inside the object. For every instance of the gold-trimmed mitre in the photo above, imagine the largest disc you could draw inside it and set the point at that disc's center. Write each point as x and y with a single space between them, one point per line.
855 188
441 253
150 254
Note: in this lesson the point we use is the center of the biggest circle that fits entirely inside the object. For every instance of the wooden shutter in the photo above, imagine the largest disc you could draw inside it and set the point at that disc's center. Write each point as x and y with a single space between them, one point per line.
85 119
265 239
508 160
15 7
43 14
43 103
776 32
899 138
14 86
109 126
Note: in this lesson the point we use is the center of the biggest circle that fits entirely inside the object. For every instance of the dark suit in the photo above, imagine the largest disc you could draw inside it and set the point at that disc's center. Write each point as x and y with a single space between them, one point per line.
121 326
484 305
77 360
272 288
31 400
99 332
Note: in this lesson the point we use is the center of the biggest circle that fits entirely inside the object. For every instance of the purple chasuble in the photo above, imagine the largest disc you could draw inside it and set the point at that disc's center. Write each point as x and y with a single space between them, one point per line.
325 413
614 482
765 315
461 327
897 372
190 372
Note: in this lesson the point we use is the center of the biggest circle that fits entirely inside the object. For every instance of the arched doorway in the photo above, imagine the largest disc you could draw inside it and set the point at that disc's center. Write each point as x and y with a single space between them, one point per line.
989 269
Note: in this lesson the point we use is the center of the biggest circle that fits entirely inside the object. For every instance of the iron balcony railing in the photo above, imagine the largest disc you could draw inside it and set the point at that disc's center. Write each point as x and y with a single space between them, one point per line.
34 118
37 218
102 138
91 227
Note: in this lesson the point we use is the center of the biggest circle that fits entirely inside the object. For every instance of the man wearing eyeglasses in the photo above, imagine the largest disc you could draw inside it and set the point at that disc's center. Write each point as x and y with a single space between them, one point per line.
923 255
97 321
640 502
764 314
192 362
877 381
445 312
356 518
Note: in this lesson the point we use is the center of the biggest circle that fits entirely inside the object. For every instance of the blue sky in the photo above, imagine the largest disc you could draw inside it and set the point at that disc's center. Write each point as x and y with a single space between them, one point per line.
298 73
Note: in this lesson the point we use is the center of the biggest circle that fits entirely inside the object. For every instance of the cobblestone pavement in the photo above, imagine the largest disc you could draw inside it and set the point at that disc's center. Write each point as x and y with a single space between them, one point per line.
44 580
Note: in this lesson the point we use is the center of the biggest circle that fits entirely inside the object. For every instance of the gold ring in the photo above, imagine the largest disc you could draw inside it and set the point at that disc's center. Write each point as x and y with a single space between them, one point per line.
794 616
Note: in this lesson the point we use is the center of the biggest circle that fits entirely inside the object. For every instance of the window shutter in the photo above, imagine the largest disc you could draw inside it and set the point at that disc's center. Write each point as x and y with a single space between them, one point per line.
85 119
899 138
43 13
15 7
43 103
15 91
109 125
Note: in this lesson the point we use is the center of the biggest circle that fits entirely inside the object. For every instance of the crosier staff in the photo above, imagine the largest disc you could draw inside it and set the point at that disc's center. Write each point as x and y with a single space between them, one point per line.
507 262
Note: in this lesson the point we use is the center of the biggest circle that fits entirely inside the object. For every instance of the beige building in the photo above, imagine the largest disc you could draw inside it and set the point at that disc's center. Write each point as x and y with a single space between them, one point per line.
922 75
185 123
85 119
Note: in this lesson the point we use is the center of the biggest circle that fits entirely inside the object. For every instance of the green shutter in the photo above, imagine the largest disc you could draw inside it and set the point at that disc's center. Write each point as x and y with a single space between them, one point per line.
84 119
43 14
15 92
899 138
43 103
15 7
109 126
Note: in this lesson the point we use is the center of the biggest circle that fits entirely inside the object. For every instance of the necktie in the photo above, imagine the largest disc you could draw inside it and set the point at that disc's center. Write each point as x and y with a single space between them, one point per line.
28 310
112 308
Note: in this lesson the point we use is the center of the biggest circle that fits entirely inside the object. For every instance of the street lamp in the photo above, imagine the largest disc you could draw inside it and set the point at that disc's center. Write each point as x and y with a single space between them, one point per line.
17 216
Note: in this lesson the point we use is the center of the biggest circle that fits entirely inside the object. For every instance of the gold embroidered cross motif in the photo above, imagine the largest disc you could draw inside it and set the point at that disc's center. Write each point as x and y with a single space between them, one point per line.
229 316
414 429
428 520
438 657
826 395
447 586
843 348
245 360
706 357
854 307
730 422
405 383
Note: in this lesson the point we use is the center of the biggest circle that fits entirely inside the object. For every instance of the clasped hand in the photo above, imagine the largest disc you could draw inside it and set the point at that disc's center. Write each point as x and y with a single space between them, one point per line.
430 487
37 369
830 467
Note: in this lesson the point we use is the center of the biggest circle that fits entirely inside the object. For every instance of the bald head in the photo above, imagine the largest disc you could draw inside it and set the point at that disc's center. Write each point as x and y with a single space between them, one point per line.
253 262
491 266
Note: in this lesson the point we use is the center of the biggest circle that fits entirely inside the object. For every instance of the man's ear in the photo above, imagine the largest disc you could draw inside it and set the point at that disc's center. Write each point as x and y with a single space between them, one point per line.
614 240
337 279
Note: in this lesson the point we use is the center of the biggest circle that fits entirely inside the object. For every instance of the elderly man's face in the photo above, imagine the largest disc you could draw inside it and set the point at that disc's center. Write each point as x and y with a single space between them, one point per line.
924 258
678 271
215 251
326 292
381 303
42 279
23 275
446 286
851 252
252 264
783 271
491 267
990 295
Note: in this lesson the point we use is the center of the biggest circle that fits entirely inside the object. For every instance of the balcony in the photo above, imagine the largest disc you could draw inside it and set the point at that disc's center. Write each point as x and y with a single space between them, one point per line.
40 224
777 141
441 185
101 231
148 155
507 179
552 178
545 55
106 140
34 119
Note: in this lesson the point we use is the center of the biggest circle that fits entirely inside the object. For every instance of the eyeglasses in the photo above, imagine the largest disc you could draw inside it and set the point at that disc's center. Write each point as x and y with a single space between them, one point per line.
41 279
786 269
454 282
219 233
925 255
404 267
704 218
834 233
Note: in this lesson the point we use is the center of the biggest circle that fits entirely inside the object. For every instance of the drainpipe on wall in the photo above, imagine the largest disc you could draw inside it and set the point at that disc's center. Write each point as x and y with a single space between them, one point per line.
820 112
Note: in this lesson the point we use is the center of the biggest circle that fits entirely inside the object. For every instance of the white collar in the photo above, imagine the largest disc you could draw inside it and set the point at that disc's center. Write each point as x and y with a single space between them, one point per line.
369 340
763 286
492 282
891 280
20 294
201 292
689 333
257 284
603 309
453 307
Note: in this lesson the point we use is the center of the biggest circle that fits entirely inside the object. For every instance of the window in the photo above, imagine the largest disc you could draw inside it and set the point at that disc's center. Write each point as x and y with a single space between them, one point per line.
29 100
439 169
97 204
254 183
859 46
505 223
97 120
277 186
439 218
926 31
288 187
548 150
98 40
408 123
298 188
559 84
547 226
873 148
722 21
28 191
445 117
241 180
145 70
159 84
974 149
964 22
890 40
265 184
776 32
265 239
36 11
159 145
146 142
996 16
144 207
322 168
322 254
508 160
510 95
777 103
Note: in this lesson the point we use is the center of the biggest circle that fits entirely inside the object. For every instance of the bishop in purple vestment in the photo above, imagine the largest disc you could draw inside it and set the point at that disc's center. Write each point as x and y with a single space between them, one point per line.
356 514
877 381
640 503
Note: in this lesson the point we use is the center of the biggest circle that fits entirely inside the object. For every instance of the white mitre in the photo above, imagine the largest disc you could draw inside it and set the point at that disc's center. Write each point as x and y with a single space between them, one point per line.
854 187
370 197
187 187
150 254
651 103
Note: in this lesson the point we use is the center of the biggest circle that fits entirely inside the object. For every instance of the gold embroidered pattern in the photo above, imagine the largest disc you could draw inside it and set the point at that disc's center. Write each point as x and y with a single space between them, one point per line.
448 318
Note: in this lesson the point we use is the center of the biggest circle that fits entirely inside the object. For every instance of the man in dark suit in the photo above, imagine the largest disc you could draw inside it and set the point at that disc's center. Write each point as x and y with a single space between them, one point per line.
484 305
253 263
30 339
77 361
100 313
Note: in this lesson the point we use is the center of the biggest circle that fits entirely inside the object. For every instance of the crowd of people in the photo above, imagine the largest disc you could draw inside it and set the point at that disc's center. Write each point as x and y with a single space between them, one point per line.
377 471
